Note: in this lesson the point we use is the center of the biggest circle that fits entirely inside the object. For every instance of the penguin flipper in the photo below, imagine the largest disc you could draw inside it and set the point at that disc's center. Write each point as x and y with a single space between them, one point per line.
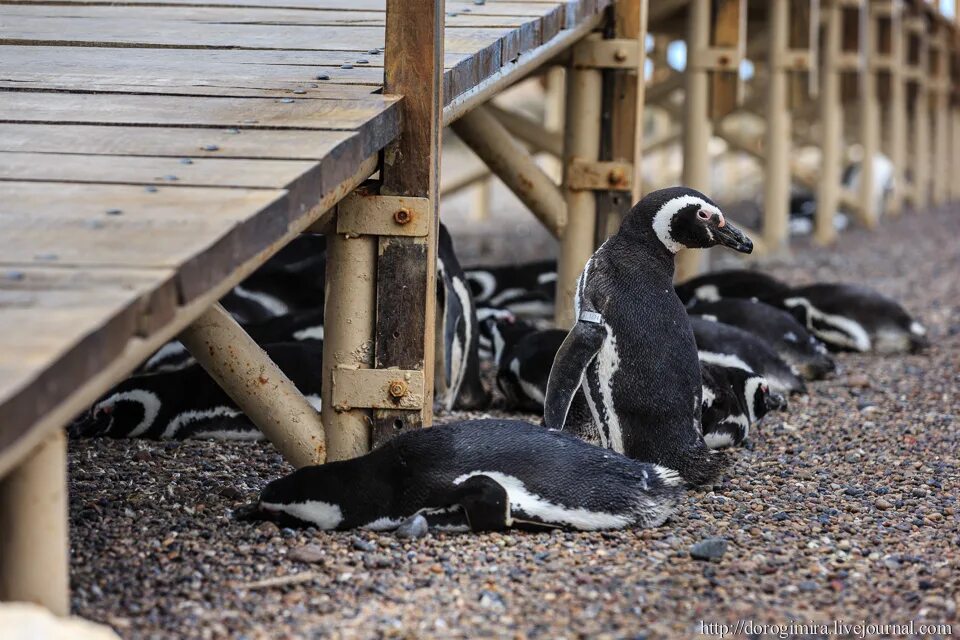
576 353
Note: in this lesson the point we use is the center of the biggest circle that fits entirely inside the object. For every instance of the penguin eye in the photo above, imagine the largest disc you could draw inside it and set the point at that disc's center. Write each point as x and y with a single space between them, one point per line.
703 215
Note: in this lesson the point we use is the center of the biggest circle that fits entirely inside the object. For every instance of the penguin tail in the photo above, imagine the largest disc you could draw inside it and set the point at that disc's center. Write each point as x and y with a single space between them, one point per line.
662 491
701 465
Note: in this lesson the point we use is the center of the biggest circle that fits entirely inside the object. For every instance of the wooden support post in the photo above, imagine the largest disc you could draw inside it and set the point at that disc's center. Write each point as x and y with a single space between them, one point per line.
869 120
696 122
406 266
480 200
831 125
554 99
581 142
776 197
622 122
940 72
897 110
257 385
512 163
921 114
348 318
34 545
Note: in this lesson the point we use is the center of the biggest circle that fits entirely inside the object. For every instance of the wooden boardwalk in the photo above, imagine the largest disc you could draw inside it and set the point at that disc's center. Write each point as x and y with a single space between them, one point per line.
153 153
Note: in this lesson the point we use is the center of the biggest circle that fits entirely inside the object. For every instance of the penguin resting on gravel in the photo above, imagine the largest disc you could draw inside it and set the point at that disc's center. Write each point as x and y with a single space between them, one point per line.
730 346
528 290
731 283
478 475
631 348
778 328
855 318
733 400
523 355
187 403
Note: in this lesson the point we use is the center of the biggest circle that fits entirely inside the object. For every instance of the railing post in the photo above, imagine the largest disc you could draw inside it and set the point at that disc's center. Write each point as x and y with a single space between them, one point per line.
34 546
776 197
831 126
406 266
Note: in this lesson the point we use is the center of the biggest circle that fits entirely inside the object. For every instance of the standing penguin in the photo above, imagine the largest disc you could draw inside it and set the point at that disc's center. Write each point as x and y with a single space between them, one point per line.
632 349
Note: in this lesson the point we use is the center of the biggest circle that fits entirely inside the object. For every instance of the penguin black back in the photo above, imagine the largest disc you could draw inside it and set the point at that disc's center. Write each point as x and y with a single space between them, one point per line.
731 283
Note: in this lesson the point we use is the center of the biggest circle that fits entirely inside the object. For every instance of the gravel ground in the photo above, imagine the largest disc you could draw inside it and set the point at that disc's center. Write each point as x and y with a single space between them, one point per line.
845 508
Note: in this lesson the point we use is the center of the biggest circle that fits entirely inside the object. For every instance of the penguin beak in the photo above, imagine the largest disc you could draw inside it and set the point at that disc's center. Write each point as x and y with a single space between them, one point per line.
730 236
775 402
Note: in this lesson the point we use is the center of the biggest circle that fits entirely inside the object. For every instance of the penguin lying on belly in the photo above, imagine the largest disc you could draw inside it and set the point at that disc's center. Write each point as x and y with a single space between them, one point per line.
846 317
733 400
631 348
478 475
523 355
527 290
778 328
187 403
730 346
854 318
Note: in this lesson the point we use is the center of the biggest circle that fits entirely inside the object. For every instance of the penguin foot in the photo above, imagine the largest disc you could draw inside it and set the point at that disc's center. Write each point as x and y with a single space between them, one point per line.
701 465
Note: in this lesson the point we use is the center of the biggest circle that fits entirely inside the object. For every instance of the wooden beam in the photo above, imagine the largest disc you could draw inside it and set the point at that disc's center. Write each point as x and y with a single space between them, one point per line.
831 130
776 195
406 267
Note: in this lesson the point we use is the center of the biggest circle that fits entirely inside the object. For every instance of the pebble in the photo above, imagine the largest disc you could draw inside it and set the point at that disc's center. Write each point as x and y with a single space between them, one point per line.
413 527
362 545
114 212
323 76
186 161
709 549
211 147
309 553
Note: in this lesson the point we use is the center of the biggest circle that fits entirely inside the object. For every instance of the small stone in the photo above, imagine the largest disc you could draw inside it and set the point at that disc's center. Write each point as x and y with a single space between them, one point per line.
230 493
413 527
363 61
46 257
211 147
479 2
142 456
150 188
362 545
171 178
346 65
13 275
323 76
709 549
233 131
299 91
114 212
308 553
373 52
186 161
882 504
807 585
93 224
286 100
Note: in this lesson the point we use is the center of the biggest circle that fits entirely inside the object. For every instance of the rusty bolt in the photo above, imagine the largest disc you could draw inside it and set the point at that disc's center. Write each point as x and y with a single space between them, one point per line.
620 55
397 388
616 177
402 216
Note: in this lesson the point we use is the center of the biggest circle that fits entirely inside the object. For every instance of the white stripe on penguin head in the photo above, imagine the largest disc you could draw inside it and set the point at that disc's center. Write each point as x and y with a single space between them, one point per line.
148 401
663 218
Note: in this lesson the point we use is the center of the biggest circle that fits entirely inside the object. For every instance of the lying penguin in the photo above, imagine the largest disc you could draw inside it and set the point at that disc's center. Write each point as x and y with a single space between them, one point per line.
632 349
854 318
528 290
478 475
778 328
187 403
731 283
846 317
523 355
733 400
729 346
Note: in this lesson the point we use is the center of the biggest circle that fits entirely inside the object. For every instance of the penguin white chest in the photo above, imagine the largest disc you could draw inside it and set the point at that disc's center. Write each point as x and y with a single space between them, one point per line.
607 365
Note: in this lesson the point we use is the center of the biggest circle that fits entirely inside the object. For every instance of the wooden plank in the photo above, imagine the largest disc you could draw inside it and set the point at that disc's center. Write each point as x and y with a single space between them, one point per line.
203 231
182 142
370 115
406 267
170 33
207 172
60 327
725 31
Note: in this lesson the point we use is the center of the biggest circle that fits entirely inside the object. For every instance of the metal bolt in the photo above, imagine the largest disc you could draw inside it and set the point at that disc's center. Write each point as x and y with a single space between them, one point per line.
616 177
402 216
397 388
723 61
620 55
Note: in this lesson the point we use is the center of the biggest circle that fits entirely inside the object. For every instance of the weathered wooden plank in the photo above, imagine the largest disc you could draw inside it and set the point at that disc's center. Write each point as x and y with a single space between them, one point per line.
203 231
367 114
182 142
61 326
406 267
192 35
207 172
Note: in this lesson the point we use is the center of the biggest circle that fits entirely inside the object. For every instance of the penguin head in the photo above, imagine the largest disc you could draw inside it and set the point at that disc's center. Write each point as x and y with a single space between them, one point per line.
121 414
760 399
684 218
